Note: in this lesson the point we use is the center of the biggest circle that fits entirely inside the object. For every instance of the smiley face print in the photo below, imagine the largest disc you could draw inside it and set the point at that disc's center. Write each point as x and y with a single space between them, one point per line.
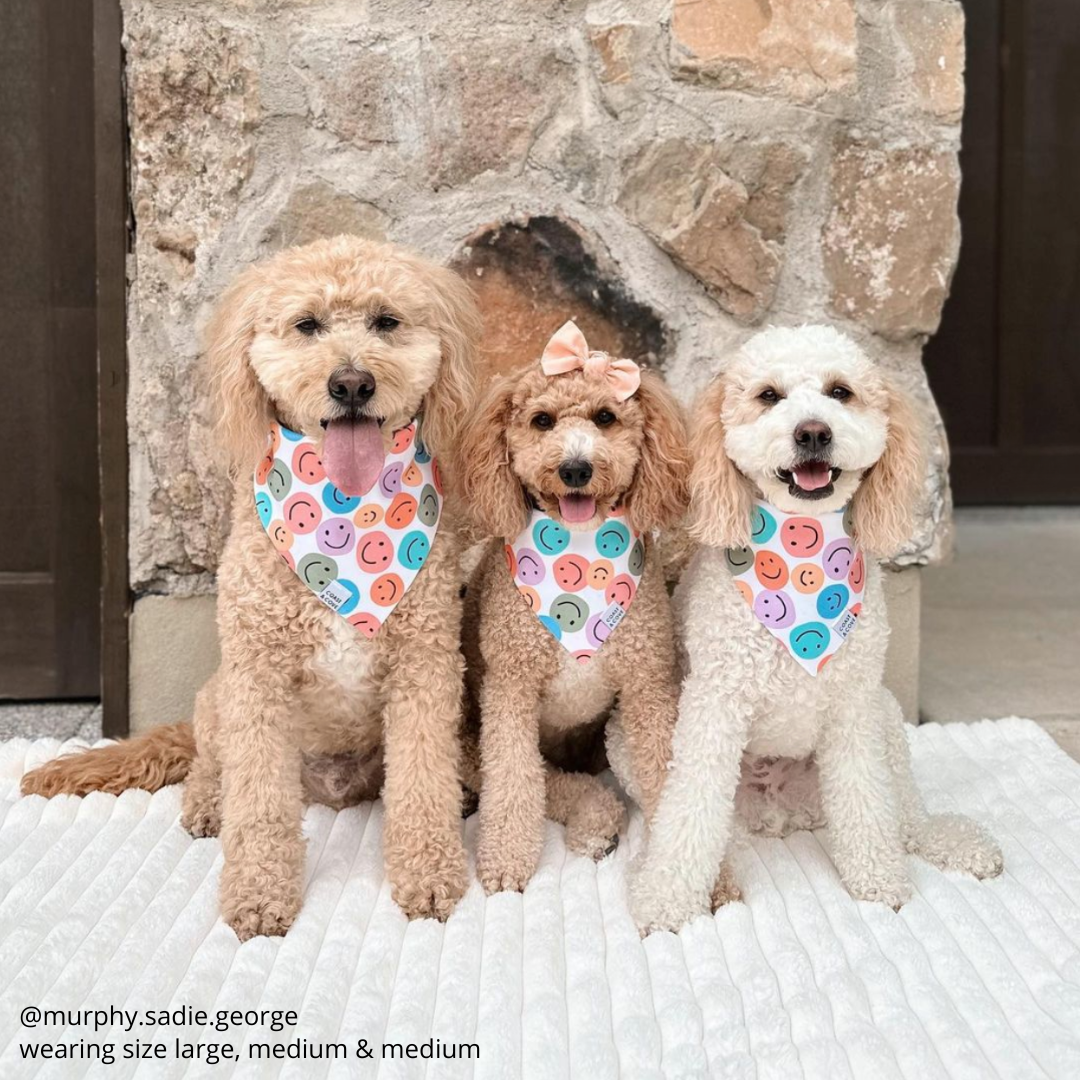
580 584
802 536
798 575
313 525
374 552
335 536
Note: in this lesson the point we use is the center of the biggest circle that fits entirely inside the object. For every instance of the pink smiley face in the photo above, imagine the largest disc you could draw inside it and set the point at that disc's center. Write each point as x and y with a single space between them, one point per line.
336 536
306 464
571 572
302 514
403 438
857 575
375 552
802 536
621 590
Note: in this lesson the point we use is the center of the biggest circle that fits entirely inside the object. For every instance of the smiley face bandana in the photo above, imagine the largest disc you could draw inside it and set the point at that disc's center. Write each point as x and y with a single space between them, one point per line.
579 584
358 555
803 578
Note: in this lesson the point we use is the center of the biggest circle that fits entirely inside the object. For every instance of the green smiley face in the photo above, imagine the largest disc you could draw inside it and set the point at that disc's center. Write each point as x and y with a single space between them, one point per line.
317 571
570 612
739 559
279 480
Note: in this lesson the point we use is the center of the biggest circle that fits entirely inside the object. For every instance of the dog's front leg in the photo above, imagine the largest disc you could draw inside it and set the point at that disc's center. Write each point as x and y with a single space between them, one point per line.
422 848
858 796
513 796
262 802
674 877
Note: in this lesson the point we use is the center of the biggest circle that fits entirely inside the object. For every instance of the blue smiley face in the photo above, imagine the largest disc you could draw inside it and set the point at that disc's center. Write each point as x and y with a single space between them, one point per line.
338 501
264 508
550 537
832 601
413 549
612 539
809 640
292 436
551 625
762 525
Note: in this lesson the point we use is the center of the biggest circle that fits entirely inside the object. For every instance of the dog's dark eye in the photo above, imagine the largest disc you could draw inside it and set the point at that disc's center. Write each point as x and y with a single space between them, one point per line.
769 396
604 418
543 421
308 326
385 323
840 393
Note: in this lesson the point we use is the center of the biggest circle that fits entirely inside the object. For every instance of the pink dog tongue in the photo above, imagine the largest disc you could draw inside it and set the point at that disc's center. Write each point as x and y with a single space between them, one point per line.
576 508
813 476
353 455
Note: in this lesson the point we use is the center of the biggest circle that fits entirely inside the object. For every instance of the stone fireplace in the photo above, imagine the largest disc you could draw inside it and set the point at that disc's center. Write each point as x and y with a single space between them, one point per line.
674 174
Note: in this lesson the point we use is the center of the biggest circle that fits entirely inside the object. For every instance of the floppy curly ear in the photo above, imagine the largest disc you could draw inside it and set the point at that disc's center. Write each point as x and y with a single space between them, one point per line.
720 496
660 493
450 399
242 407
493 496
887 500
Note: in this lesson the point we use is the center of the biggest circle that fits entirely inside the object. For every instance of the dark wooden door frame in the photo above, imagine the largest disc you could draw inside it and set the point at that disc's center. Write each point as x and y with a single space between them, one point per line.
113 234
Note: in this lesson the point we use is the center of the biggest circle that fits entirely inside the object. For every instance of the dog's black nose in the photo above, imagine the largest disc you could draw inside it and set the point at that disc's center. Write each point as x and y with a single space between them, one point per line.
576 473
813 435
351 387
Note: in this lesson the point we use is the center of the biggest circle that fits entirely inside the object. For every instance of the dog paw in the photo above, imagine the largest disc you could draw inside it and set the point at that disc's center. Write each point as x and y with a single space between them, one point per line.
591 845
893 894
726 889
503 875
265 916
954 842
201 819
429 884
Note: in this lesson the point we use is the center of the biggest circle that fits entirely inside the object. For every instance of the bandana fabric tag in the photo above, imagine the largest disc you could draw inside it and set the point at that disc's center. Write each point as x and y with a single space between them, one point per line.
358 554
580 585
803 578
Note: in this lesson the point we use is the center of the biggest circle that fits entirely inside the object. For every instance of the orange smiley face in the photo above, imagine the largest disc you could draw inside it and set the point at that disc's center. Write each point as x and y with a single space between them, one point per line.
280 536
511 560
745 592
401 511
262 471
403 438
387 590
771 570
807 577
368 516
275 441
306 464
412 476
571 572
601 571
532 597
857 574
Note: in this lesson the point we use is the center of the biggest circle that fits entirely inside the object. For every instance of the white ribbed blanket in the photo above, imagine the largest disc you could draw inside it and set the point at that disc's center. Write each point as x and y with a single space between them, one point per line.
107 902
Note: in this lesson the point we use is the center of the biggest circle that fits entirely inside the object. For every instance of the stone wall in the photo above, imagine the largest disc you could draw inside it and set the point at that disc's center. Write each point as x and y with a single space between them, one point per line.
674 173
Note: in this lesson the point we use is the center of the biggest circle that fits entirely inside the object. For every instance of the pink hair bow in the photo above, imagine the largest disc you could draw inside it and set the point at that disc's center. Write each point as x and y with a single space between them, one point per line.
568 351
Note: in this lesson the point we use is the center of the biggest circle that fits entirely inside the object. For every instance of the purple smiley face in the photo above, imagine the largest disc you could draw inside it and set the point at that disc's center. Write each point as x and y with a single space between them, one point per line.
390 481
530 567
837 558
597 631
336 536
775 609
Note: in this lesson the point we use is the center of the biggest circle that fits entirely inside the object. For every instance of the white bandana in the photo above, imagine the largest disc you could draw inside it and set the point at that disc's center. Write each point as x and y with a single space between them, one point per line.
358 554
803 578
579 584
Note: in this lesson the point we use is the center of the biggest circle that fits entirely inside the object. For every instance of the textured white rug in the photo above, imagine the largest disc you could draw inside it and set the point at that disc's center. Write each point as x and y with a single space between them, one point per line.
107 904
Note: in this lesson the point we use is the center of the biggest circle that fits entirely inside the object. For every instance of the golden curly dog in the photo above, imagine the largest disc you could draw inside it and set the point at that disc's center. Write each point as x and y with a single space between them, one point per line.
566 445
355 338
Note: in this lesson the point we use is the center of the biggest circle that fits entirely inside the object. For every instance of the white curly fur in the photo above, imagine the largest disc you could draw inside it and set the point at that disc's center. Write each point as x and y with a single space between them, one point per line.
744 695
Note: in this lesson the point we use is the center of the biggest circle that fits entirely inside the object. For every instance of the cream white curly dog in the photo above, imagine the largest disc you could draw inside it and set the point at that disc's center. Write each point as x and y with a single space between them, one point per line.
805 421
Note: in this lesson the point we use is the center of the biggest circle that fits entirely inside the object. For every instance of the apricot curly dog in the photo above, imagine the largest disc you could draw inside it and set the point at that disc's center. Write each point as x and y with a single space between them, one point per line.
566 469
334 347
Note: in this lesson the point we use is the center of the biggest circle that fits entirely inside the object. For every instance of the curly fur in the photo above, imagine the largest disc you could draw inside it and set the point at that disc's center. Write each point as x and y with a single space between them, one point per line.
530 694
744 697
297 685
